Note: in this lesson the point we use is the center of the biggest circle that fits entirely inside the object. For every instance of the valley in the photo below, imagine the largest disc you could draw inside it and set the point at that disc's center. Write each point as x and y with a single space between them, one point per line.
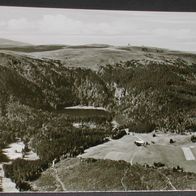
78 111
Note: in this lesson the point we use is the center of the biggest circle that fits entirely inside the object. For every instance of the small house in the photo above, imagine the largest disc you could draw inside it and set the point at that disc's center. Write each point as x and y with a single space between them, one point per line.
139 142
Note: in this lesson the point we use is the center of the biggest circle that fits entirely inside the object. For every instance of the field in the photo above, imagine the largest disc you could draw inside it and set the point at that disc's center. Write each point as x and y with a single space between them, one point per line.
160 150
92 56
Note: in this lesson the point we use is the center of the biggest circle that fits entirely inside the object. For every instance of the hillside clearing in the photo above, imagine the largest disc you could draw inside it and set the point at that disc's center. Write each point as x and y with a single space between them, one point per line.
159 151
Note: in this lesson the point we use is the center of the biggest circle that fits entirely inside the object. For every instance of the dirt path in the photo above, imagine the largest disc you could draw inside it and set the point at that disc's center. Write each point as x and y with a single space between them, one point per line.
134 154
126 171
132 158
57 177
122 179
168 180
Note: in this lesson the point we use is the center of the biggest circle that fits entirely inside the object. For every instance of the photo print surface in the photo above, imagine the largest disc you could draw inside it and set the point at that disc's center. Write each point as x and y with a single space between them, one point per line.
97 100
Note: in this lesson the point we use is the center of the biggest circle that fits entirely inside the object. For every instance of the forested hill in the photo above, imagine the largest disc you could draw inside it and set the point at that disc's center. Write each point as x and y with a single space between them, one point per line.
143 94
46 84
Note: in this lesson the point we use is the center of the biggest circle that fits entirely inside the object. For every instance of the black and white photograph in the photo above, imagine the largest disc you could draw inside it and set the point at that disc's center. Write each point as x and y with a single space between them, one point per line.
97 100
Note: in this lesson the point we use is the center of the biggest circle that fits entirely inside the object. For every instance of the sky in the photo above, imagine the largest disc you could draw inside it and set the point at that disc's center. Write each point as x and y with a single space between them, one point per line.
170 30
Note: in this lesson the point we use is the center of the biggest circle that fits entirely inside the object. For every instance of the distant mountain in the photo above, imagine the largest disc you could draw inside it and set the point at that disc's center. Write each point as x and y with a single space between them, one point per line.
10 43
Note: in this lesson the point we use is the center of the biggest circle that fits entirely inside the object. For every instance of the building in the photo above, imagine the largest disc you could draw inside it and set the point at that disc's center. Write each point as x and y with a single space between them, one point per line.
139 142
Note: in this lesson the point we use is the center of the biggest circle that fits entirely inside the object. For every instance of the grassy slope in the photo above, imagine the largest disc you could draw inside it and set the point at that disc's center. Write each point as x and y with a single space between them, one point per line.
94 56
29 49
106 175
6 43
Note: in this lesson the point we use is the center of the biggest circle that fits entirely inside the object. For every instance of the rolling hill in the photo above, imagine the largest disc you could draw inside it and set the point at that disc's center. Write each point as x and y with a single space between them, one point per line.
6 43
